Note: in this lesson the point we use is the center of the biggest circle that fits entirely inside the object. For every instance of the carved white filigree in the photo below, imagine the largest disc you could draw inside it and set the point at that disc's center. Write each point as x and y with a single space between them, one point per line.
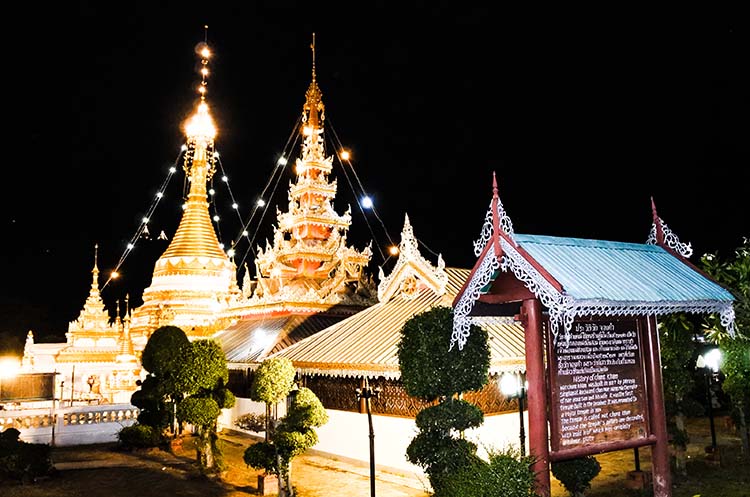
672 241
505 224
481 277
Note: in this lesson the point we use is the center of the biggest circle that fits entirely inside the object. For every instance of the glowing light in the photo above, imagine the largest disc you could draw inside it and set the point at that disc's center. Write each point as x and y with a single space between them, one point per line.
712 358
224 179
216 218
230 252
211 191
307 130
366 202
393 250
509 385
281 161
261 340
261 202
235 206
205 53
221 246
216 154
200 124
145 219
159 195
183 148
172 170
9 367
204 71
130 246
201 89
245 233
184 206
344 155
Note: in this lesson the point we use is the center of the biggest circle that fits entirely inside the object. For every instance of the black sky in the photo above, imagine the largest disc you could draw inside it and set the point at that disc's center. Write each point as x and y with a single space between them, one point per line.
583 115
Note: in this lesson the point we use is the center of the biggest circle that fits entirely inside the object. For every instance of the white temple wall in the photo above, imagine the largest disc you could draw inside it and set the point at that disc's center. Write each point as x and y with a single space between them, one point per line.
346 435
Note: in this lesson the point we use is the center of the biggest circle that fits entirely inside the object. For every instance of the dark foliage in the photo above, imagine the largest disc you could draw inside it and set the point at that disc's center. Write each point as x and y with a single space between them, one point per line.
23 461
429 367
139 436
576 474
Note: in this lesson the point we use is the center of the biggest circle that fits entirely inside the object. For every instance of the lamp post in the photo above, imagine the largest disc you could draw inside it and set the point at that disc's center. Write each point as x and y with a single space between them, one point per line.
366 393
514 386
709 362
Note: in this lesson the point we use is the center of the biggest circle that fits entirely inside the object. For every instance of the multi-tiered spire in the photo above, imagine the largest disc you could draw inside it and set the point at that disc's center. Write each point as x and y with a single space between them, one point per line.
194 280
309 260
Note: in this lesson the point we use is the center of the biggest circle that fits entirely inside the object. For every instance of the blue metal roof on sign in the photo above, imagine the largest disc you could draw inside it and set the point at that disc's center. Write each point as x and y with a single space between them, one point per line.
618 271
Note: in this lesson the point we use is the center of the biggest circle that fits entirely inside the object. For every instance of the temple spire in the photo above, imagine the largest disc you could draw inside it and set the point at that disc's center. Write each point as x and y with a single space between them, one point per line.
195 235
94 293
314 108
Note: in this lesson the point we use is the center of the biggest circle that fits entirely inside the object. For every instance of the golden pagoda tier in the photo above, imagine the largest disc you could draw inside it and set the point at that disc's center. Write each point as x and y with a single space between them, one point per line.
93 332
194 281
97 360
309 265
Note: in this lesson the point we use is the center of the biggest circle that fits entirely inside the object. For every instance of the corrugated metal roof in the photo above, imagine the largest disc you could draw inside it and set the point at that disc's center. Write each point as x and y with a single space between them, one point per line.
367 342
255 337
618 271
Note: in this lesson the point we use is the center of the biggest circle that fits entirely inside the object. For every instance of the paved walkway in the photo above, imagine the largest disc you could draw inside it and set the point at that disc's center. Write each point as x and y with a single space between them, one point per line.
313 475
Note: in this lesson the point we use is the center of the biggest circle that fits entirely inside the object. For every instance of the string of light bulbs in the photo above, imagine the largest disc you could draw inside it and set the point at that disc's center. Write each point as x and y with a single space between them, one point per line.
144 221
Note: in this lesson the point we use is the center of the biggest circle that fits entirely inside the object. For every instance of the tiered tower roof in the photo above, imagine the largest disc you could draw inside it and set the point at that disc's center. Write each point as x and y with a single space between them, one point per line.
309 263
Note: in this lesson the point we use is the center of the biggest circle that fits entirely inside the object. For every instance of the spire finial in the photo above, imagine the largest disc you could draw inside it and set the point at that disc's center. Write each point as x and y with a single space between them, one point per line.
496 218
205 54
312 47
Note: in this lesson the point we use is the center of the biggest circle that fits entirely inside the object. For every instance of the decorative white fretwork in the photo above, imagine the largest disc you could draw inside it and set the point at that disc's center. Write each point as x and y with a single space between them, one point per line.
672 241
505 224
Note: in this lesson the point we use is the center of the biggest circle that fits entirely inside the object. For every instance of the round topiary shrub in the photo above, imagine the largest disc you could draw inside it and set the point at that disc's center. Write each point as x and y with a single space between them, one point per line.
139 436
576 474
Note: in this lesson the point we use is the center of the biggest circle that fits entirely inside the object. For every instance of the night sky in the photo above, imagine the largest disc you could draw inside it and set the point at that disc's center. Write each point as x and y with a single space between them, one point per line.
583 115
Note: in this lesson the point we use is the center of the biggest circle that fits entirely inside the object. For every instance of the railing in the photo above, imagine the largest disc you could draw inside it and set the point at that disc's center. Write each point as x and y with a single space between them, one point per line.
72 425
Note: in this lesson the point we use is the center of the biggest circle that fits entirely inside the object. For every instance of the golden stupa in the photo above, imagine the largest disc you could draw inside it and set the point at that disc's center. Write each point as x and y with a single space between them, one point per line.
194 281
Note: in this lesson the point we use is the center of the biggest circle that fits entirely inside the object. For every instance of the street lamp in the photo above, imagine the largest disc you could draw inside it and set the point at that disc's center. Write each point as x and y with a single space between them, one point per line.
366 393
513 386
709 362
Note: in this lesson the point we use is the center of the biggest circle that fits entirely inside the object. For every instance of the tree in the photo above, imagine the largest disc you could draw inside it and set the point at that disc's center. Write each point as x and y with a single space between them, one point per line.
676 333
164 357
206 368
272 382
734 274
291 435
431 370
186 382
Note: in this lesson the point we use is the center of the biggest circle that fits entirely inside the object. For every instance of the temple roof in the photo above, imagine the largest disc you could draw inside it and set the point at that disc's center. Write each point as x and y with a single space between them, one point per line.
575 277
618 271
367 343
253 338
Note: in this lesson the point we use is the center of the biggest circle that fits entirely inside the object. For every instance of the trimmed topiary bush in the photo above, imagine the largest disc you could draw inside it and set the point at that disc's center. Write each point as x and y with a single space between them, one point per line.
576 474
431 369
139 436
